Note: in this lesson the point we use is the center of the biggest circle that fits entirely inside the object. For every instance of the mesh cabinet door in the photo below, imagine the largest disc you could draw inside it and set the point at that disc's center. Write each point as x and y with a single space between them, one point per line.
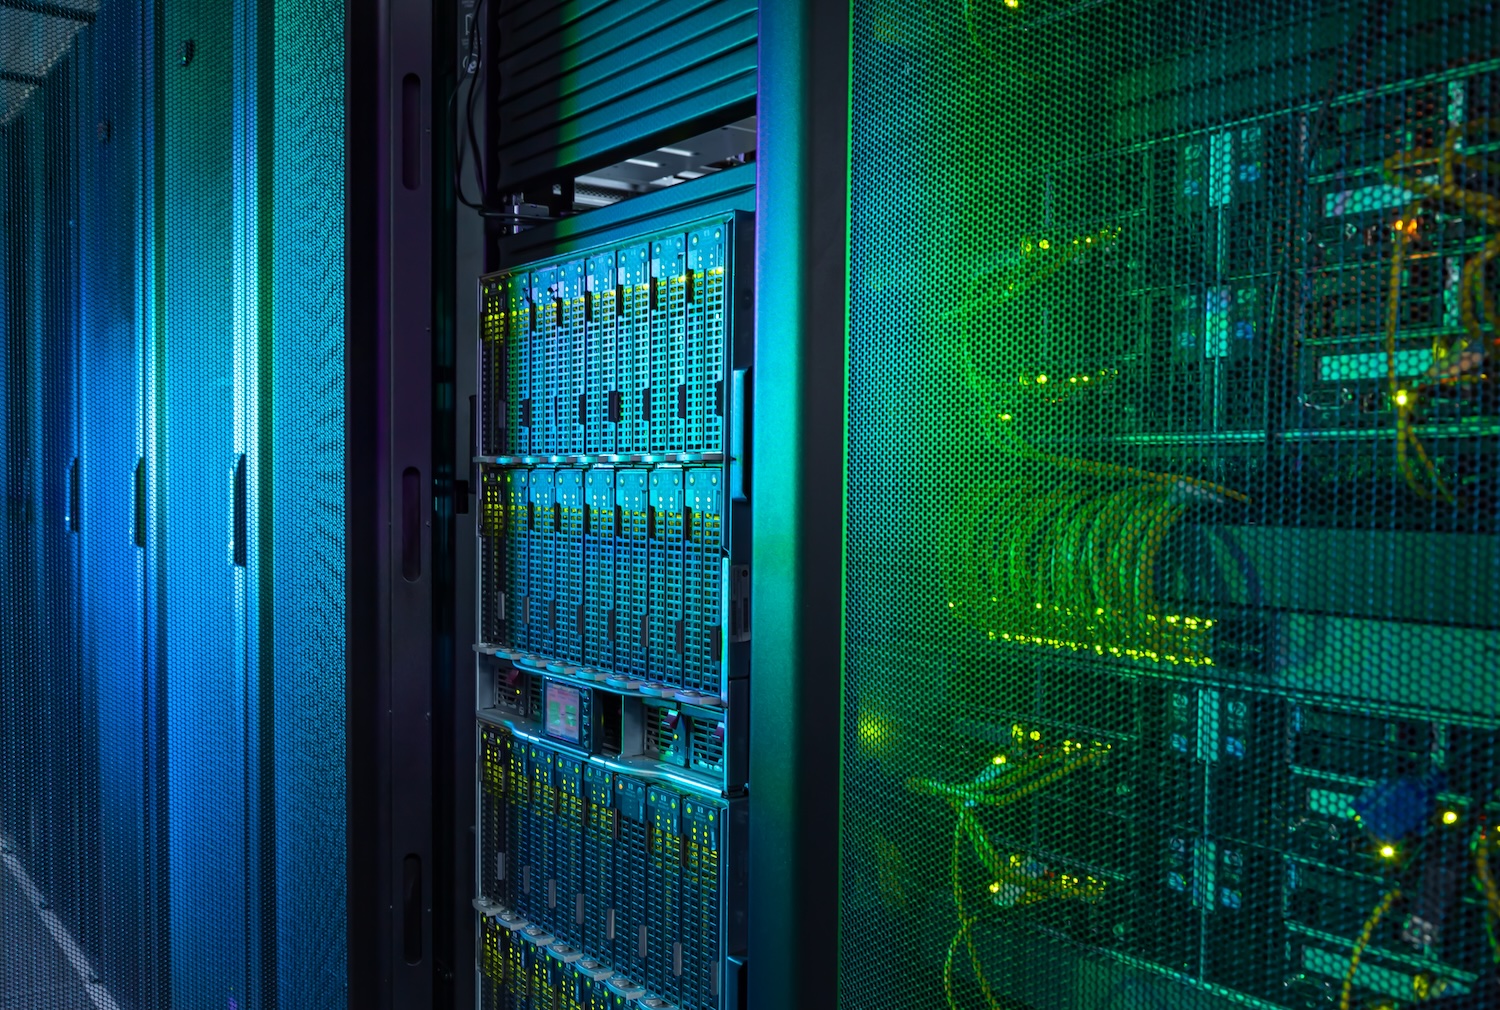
172 787
1170 626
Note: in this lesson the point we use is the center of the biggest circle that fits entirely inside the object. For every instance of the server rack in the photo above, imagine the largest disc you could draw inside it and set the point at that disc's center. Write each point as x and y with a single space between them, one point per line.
194 354
624 865
1156 691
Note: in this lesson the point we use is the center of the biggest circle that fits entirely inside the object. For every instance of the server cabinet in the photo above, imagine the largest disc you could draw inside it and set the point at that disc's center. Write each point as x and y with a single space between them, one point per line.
1167 390
180 336
113 493
78 819
50 787
611 551
206 359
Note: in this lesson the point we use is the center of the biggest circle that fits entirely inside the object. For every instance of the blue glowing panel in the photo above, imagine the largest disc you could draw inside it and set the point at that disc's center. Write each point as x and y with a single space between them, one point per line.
112 293
307 459
202 344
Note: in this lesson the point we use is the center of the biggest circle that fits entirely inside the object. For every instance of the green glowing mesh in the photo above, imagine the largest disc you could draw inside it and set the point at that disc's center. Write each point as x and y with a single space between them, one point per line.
1171 634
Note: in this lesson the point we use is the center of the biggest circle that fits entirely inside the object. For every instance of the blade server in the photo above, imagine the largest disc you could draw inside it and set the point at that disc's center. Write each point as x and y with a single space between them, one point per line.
613 542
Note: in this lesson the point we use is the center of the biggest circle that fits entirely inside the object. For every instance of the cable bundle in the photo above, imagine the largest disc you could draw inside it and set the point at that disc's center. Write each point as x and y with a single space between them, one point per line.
1015 776
1071 565
1445 193
1075 567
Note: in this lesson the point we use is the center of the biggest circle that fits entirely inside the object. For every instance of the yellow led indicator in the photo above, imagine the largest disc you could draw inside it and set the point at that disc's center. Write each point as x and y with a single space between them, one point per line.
1450 816
1401 398
1388 851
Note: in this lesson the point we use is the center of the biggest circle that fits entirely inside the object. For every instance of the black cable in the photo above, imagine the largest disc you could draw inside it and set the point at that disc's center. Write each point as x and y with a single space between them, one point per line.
481 76
458 153
473 69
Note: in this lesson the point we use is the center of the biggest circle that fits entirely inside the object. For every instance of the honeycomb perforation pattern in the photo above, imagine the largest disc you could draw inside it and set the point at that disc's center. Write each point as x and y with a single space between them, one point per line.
1172 487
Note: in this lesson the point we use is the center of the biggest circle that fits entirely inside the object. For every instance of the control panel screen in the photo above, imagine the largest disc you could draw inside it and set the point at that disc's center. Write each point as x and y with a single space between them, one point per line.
562 705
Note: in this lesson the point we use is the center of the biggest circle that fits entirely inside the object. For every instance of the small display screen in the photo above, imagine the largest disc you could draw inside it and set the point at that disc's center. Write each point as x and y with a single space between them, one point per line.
562 705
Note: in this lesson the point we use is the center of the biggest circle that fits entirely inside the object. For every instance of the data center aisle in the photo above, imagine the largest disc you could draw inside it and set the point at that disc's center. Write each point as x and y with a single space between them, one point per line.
34 971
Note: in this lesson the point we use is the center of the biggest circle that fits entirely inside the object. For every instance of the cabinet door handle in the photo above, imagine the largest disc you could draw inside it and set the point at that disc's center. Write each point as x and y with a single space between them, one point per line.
739 431
140 502
73 496
239 510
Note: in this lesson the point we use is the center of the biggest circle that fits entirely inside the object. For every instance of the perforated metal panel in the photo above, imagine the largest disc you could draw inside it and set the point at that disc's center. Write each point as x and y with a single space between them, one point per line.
1172 483
173 357
306 538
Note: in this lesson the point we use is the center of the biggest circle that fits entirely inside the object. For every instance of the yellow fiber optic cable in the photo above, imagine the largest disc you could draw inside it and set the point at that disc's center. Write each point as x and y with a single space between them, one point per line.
1364 941
1487 875
1486 208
